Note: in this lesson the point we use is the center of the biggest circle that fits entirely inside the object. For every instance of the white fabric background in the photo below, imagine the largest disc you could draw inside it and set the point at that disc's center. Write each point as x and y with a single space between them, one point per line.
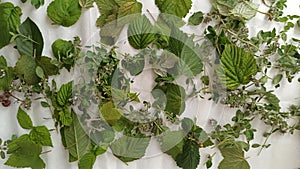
283 154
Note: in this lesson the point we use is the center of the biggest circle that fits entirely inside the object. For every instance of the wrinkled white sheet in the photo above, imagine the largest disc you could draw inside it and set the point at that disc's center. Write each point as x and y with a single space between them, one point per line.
283 154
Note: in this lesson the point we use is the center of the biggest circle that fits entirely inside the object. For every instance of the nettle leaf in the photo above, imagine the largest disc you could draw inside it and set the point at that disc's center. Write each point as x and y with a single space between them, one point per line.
62 48
24 119
237 67
108 10
87 161
174 7
86 3
245 10
129 148
30 42
190 156
140 33
233 157
65 93
25 154
190 63
6 74
65 117
77 141
64 12
41 135
170 97
25 68
9 22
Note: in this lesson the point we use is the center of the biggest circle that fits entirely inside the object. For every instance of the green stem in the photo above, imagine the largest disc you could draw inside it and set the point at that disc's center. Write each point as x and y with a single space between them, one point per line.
265 142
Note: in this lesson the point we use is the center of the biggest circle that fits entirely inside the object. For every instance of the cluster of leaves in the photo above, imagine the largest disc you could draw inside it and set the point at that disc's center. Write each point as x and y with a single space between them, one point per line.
243 67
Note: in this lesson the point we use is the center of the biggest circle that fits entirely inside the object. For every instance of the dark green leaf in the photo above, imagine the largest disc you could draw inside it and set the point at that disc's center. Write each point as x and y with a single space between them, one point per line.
64 12
25 68
24 119
190 157
174 7
171 97
129 148
41 135
62 48
44 104
48 68
277 79
77 140
37 3
237 67
30 42
196 18
140 32
65 93
10 22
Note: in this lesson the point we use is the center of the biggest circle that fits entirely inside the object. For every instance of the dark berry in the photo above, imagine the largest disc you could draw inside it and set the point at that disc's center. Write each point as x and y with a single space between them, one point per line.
6 94
6 103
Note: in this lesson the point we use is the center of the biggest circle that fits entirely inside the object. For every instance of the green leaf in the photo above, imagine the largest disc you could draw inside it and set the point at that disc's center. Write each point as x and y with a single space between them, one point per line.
6 74
62 48
86 3
140 33
276 80
129 148
190 63
233 157
40 72
41 135
26 154
228 3
37 3
190 157
273 101
196 18
30 42
172 143
174 7
245 10
65 93
134 64
110 113
109 10
9 22
24 119
77 140
87 161
25 68
128 7
48 68
172 95
237 67
64 12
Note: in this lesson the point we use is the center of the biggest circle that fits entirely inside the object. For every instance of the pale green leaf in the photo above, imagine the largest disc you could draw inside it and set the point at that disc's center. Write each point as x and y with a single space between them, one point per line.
41 135
9 22
25 69
237 67
39 72
110 113
24 119
172 143
245 10
174 7
65 117
77 140
64 12
48 68
196 18
140 33
129 148
30 42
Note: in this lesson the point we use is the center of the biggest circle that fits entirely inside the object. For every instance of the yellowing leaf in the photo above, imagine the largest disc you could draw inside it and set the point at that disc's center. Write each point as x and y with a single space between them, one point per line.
174 7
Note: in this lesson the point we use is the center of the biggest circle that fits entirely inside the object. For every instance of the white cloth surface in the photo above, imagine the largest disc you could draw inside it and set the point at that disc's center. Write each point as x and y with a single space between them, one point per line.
284 152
